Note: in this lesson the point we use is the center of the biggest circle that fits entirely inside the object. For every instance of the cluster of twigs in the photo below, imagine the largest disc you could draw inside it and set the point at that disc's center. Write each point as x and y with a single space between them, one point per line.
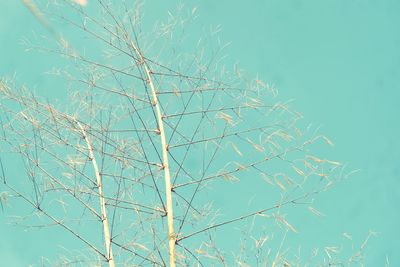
141 145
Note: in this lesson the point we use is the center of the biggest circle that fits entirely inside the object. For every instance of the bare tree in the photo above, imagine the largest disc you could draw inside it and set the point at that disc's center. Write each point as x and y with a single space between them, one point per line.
150 135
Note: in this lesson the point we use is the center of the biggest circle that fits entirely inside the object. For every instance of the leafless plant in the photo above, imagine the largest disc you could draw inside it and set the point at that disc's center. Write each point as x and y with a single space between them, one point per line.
149 139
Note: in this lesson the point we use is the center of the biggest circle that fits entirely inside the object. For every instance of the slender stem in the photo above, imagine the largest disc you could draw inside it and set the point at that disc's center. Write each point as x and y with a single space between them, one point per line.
276 206
106 228
168 186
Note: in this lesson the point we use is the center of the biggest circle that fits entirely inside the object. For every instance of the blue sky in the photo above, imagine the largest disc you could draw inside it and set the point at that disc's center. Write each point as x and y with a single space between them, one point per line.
340 62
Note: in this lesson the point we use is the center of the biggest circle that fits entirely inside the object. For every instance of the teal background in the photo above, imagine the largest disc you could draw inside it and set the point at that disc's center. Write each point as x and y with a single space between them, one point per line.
339 60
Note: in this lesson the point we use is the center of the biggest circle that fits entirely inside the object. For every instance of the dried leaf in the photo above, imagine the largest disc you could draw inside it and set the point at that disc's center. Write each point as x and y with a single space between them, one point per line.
291 228
226 117
318 160
261 83
81 2
280 184
316 212
237 149
255 102
200 251
300 172
230 177
140 246
329 250
258 147
329 142
240 166
267 179
348 236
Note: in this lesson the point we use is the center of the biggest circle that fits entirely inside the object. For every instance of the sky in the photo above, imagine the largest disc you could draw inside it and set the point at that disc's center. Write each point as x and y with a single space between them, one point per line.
340 63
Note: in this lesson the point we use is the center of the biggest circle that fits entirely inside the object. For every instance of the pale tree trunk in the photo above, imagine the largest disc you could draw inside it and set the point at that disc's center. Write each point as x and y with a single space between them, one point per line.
168 186
106 228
